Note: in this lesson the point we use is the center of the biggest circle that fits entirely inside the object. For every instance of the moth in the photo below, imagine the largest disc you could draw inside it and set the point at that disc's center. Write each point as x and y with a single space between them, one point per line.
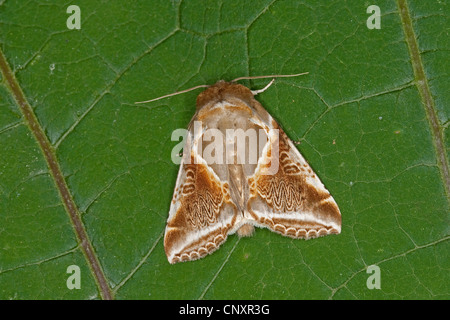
219 191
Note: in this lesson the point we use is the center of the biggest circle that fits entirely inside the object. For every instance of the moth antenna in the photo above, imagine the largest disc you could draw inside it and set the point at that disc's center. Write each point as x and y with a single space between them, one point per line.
255 92
270 76
174 93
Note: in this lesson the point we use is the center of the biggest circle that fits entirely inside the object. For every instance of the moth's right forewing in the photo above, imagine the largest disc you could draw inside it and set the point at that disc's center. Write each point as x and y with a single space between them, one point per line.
290 200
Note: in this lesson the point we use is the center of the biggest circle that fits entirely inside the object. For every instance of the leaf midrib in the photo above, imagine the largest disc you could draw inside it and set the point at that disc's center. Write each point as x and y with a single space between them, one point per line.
425 94
58 177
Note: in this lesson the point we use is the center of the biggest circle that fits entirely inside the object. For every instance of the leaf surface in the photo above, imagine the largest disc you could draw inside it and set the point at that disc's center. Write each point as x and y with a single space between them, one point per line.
371 118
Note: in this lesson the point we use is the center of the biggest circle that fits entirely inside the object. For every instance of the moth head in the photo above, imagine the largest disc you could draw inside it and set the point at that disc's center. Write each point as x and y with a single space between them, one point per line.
223 90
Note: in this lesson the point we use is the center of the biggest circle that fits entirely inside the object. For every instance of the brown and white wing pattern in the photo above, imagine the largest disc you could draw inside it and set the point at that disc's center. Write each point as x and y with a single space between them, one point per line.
201 213
293 201
212 200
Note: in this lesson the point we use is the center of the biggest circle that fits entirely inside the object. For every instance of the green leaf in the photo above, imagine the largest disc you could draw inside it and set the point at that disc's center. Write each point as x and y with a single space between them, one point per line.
86 176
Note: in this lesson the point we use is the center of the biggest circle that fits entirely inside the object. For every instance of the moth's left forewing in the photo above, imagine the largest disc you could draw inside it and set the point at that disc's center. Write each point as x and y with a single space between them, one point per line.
201 213
290 200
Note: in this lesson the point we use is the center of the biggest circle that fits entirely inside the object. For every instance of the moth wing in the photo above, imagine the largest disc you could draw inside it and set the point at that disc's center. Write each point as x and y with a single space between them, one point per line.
292 201
201 214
